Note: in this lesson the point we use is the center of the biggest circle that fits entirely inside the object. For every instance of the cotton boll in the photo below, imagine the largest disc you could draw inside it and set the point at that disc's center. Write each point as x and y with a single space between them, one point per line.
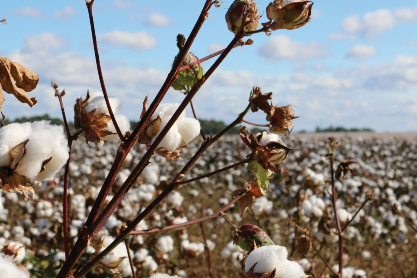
167 110
124 125
273 257
12 135
172 139
165 244
43 142
59 158
262 205
141 254
175 199
189 128
10 270
100 103
270 137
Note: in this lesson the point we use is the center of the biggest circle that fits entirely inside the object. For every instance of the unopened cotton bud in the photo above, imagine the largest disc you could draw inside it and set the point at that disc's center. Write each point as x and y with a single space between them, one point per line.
239 11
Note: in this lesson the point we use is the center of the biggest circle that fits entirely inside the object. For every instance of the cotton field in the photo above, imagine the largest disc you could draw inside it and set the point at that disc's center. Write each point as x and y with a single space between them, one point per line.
377 243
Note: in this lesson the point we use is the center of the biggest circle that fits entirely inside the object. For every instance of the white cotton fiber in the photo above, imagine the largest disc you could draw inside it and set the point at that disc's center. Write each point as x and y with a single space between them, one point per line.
167 110
43 142
12 135
124 125
100 103
172 139
165 244
9 269
270 137
189 128
273 257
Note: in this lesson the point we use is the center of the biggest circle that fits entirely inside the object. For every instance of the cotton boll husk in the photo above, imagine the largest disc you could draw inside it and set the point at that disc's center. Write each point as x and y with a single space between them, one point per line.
100 103
43 142
12 135
124 125
167 110
189 128
172 139
9 269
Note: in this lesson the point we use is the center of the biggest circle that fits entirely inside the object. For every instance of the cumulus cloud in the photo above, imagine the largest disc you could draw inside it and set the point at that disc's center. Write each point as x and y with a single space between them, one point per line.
158 20
375 23
29 11
67 12
361 51
136 41
282 47
124 4
43 45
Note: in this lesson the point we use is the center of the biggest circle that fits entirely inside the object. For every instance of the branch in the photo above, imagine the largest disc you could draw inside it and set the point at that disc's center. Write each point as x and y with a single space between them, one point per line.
130 258
350 221
339 229
176 226
210 266
324 261
100 74
215 172
397 210
260 125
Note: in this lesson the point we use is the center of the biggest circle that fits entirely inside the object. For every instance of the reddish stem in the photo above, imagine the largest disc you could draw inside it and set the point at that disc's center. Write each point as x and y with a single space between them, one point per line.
100 74
339 229
130 258
215 172
350 221
324 261
195 221
203 232
261 125
405 218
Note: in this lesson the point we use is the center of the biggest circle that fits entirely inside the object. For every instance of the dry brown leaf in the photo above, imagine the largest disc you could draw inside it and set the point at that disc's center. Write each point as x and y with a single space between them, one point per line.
15 79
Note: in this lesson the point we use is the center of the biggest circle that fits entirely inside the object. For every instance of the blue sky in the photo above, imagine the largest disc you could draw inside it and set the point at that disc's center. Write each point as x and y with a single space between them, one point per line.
353 65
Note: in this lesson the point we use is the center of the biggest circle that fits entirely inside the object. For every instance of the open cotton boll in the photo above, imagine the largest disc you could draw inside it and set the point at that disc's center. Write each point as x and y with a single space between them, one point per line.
165 244
266 138
167 110
124 125
273 257
172 139
189 128
100 103
45 141
12 135
9 269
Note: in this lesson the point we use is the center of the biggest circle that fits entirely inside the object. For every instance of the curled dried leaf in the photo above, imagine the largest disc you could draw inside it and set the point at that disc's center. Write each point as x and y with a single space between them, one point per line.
344 168
15 79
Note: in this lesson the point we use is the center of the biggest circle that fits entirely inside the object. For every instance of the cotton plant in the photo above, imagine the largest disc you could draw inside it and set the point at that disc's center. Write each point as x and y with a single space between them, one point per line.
29 153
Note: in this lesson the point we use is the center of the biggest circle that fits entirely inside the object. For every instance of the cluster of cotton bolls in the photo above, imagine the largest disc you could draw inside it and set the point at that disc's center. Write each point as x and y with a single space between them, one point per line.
350 272
182 131
234 253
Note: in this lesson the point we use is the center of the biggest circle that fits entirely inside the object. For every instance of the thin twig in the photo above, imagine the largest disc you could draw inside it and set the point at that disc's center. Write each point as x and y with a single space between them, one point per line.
260 125
195 221
324 261
203 232
228 221
130 258
313 270
100 74
215 172
339 229
195 116
350 221
395 207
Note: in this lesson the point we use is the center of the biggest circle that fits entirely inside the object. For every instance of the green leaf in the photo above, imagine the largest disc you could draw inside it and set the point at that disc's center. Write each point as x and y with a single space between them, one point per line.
261 176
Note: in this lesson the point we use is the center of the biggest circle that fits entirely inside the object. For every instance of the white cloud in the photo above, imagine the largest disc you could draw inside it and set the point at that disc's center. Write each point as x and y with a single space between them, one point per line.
136 41
124 4
361 51
215 47
68 11
375 23
342 36
281 47
158 20
45 44
29 11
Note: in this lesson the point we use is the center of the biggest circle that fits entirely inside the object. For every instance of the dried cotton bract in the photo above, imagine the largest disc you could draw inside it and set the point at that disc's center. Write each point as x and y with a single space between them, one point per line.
289 14
30 152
